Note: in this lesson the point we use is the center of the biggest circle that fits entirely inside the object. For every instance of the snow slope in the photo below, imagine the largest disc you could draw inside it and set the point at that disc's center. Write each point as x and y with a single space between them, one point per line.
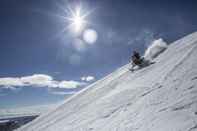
160 97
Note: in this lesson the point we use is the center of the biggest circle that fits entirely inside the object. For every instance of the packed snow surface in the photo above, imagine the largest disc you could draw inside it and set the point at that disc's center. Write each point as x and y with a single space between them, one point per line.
159 97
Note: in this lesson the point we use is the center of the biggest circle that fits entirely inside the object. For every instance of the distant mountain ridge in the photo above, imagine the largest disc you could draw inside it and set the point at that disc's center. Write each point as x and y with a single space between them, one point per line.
26 111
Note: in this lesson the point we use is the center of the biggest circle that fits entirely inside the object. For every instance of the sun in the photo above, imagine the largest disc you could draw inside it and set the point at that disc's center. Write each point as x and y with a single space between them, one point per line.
77 20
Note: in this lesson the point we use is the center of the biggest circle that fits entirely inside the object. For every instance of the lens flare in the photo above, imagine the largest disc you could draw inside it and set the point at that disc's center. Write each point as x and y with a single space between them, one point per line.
90 36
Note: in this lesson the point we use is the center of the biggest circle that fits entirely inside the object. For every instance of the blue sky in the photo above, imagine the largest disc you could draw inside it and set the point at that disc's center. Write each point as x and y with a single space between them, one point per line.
43 61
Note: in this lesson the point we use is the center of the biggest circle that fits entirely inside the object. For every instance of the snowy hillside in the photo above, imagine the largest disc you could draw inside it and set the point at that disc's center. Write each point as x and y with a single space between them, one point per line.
160 97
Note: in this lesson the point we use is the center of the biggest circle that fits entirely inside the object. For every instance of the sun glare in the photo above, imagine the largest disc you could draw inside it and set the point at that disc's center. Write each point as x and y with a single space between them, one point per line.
77 20
78 23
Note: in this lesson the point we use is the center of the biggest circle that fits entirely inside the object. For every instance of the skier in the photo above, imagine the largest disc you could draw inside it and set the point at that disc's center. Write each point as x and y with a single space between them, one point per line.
136 60
140 62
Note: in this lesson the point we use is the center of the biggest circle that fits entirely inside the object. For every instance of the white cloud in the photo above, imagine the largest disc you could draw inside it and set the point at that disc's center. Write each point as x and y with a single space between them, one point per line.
157 47
70 84
87 78
38 80
11 81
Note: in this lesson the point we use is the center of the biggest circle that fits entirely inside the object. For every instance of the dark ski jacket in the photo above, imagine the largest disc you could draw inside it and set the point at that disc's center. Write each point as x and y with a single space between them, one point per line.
136 59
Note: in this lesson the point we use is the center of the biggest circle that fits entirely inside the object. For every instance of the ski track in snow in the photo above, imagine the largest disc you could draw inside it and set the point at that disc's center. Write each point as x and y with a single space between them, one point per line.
160 97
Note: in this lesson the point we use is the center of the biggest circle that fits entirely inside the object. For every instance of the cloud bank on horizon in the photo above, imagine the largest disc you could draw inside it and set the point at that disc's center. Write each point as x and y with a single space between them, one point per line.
42 80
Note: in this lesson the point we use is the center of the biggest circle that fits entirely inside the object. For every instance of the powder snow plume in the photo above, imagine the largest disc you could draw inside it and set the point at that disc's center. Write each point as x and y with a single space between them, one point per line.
155 48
